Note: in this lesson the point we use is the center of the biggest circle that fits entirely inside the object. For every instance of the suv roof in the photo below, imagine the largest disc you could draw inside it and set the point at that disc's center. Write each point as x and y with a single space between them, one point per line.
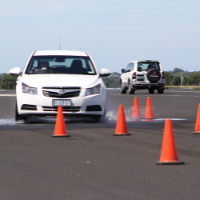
147 61
60 53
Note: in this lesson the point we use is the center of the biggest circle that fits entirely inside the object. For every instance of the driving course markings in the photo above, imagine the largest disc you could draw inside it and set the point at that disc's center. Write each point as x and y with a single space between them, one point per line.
7 95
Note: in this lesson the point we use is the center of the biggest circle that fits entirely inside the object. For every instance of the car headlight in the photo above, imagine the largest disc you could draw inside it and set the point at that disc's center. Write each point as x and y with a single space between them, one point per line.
94 90
28 89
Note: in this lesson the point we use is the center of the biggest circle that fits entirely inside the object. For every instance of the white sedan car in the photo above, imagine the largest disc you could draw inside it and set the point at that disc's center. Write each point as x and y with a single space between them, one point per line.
60 78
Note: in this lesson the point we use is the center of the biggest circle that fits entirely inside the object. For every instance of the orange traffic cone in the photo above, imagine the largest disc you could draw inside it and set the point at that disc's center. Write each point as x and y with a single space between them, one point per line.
149 111
168 152
136 110
121 128
197 127
60 130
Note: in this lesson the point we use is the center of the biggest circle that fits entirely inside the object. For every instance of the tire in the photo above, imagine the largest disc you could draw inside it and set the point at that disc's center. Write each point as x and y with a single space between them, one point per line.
97 118
160 91
130 89
153 75
151 91
19 118
122 89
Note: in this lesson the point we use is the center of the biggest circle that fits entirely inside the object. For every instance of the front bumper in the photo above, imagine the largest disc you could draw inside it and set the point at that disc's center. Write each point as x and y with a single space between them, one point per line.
40 105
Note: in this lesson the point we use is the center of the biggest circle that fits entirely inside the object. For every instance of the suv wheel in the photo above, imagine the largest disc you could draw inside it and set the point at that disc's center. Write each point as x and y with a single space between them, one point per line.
123 90
130 89
151 91
160 91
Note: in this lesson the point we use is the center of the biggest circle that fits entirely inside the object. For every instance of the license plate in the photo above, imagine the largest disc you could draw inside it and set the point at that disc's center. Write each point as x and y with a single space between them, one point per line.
62 102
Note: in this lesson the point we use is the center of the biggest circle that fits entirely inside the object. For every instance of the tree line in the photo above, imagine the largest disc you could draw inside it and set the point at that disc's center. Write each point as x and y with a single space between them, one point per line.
173 77
8 81
188 78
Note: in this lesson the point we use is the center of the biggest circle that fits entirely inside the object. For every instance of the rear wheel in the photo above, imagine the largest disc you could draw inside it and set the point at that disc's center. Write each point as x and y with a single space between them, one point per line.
160 91
19 118
130 89
151 91
123 90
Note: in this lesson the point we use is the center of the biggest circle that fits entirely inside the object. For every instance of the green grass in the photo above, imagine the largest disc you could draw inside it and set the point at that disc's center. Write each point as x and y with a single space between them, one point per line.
194 87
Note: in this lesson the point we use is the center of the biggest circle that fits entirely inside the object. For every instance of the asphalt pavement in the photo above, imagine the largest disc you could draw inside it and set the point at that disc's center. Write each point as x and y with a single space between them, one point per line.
94 164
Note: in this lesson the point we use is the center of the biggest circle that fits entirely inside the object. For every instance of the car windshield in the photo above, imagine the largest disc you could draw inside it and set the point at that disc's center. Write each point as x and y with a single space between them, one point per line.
60 65
145 66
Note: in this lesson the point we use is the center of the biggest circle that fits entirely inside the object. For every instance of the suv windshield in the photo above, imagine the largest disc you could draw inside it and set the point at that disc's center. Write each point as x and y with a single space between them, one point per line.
60 65
145 66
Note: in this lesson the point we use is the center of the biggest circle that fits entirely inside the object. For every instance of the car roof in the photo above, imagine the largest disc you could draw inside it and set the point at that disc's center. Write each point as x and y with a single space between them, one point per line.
146 61
59 53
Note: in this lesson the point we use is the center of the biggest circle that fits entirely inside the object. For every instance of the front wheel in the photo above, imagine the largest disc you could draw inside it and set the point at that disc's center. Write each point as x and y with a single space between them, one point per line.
123 90
19 118
97 118
151 91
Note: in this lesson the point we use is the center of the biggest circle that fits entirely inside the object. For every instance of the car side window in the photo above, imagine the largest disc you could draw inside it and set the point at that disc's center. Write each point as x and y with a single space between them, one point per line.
131 66
128 68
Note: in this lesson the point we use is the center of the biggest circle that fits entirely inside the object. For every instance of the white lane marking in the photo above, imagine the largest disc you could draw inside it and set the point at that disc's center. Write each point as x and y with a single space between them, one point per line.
7 95
178 96
7 121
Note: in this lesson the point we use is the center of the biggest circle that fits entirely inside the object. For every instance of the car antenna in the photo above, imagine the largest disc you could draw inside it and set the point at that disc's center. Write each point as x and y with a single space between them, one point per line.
59 44
79 46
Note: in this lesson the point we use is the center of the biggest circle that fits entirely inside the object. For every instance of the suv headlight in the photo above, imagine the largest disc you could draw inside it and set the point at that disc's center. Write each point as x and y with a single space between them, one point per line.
29 90
94 90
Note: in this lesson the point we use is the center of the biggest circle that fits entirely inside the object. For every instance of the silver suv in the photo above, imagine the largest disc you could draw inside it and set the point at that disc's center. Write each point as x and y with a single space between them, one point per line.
143 74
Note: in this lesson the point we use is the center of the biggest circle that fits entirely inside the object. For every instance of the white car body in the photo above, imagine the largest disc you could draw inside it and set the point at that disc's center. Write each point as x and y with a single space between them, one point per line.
60 87
136 77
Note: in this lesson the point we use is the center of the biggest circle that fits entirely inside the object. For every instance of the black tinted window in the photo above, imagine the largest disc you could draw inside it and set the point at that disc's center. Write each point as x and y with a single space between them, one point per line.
145 66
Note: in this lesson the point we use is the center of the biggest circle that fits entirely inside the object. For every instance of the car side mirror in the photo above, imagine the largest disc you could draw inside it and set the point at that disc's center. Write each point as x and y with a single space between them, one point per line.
123 70
105 72
15 71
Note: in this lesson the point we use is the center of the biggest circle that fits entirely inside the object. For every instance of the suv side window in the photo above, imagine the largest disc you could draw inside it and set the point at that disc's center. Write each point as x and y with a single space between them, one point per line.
128 68
131 66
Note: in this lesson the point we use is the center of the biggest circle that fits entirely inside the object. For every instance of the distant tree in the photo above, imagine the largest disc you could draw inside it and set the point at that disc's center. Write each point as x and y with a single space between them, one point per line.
1 76
116 74
113 80
106 83
185 80
175 81
9 81
168 78
193 79
176 70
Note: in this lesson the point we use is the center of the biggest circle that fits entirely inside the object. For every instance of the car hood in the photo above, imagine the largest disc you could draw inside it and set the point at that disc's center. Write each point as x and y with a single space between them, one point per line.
61 80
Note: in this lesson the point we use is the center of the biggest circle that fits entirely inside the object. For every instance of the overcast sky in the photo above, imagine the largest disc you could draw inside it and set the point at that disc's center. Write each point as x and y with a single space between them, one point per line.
114 32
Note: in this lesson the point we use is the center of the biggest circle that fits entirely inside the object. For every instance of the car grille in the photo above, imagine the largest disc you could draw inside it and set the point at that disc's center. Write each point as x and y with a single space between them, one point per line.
28 107
65 109
94 108
62 92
